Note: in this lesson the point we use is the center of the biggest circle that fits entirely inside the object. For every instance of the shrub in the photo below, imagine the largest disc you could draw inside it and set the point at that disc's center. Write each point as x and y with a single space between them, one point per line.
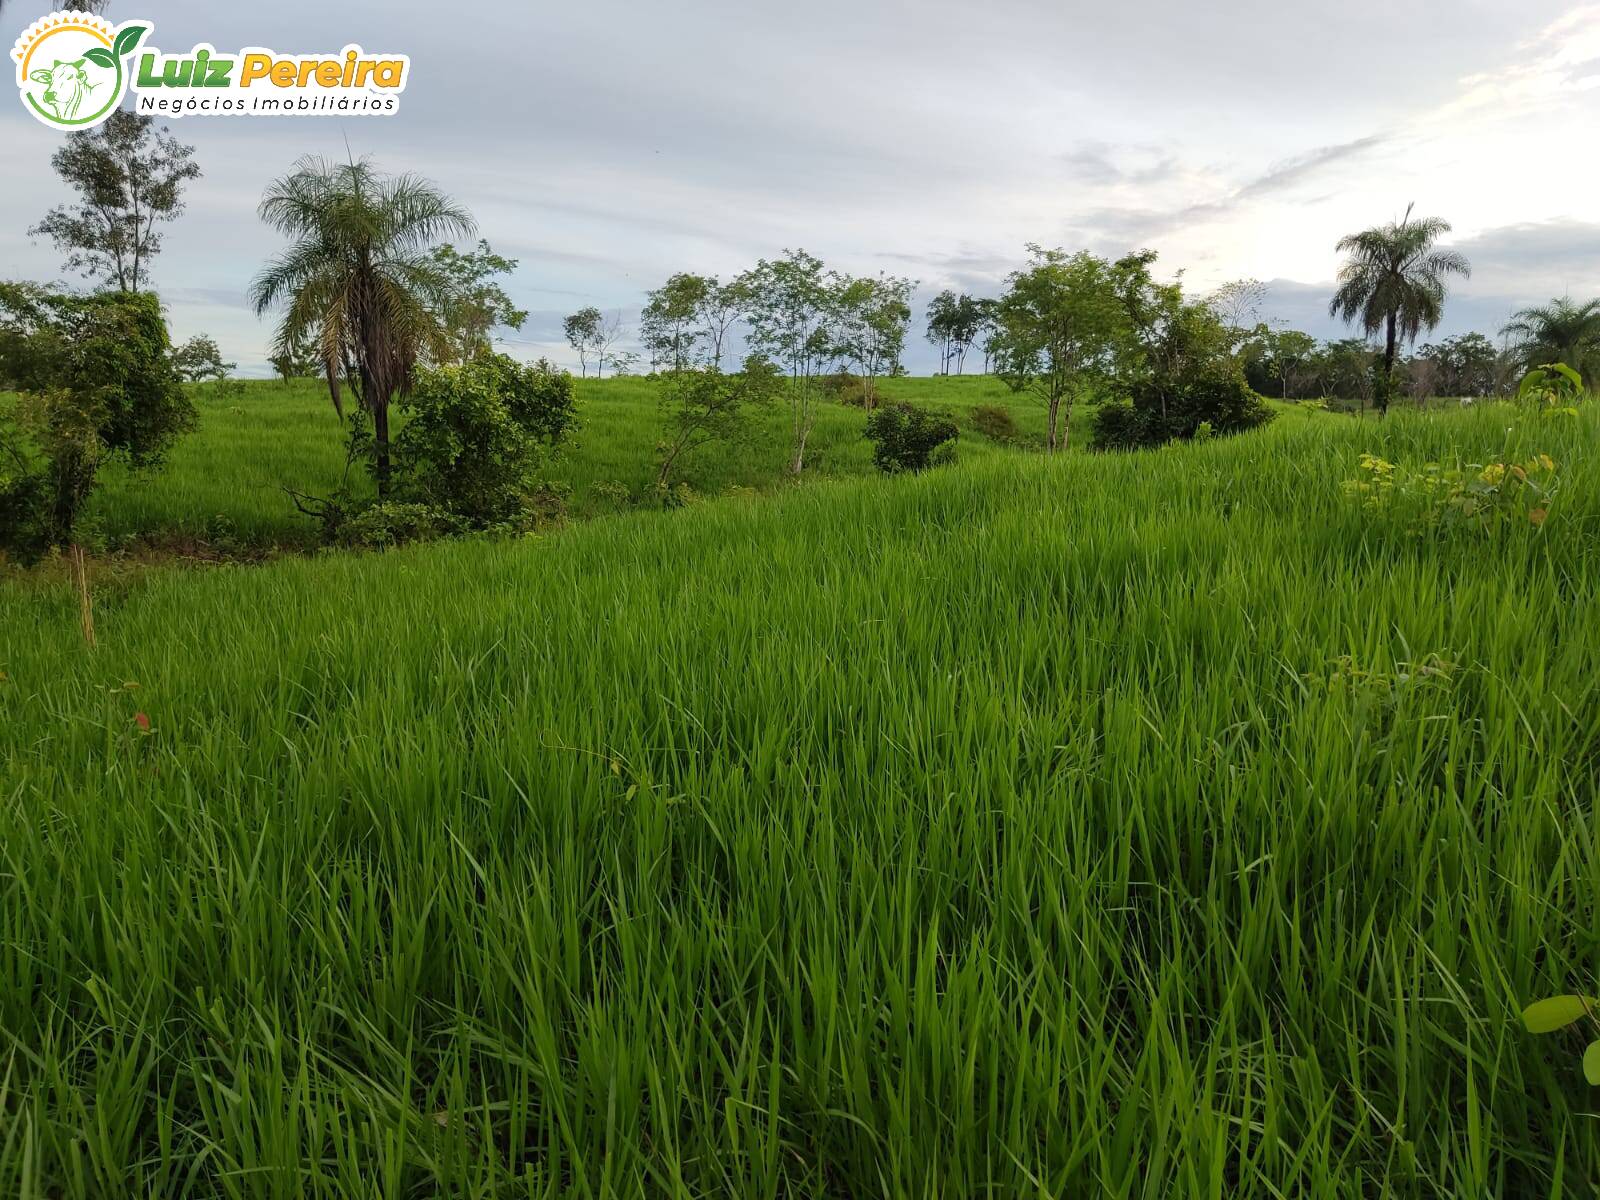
96 381
394 523
1117 425
843 387
1215 396
906 438
477 433
995 423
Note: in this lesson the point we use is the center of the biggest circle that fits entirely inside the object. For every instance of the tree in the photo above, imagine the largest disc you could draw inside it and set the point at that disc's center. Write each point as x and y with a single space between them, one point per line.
1422 379
986 330
721 308
296 360
1238 306
607 335
792 321
1394 281
475 304
1060 326
1352 370
705 405
129 177
1560 331
583 334
873 315
954 323
1166 336
475 434
1285 354
93 6
359 276
669 325
1463 366
96 381
1176 360
199 359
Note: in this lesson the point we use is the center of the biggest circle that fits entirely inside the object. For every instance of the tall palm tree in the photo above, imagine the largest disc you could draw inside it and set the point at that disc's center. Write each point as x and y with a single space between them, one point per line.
1561 331
1394 280
357 280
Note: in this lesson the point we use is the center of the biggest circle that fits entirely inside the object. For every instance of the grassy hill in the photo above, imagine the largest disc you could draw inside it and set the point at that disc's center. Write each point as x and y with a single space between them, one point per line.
1166 824
226 481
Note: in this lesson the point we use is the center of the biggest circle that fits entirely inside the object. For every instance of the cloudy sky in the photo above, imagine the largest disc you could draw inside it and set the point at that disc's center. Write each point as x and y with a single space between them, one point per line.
608 144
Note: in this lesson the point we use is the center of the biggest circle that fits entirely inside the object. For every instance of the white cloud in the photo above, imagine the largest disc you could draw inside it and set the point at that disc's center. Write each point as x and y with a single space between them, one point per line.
610 143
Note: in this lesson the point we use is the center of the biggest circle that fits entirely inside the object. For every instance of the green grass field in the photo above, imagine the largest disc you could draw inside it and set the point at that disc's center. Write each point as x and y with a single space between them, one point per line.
226 481
1146 825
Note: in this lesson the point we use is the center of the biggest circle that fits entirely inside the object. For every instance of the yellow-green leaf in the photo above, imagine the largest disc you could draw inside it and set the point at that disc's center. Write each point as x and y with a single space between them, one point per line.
1591 1063
1547 1016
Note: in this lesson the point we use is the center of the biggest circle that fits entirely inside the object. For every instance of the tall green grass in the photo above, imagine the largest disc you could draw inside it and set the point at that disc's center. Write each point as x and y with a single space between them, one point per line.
1046 828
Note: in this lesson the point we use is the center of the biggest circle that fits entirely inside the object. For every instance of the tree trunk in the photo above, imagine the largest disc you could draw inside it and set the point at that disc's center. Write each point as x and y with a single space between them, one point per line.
1388 367
380 436
1050 436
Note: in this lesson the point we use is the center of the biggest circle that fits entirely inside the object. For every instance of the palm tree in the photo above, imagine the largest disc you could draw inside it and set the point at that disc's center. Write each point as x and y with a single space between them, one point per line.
1394 281
1561 331
357 279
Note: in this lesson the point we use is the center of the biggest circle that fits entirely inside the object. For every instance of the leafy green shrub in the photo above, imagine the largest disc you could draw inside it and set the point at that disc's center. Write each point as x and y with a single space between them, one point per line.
476 435
395 523
843 387
905 437
1556 387
611 495
995 423
96 381
1117 425
1214 395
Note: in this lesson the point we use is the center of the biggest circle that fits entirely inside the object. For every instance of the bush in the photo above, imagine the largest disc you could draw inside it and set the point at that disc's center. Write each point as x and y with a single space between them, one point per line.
1117 425
906 438
1215 396
476 435
995 423
96 381
844 387
394 523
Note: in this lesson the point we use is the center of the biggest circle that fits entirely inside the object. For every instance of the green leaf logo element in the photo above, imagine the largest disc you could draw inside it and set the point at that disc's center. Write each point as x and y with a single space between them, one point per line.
100 57
128 39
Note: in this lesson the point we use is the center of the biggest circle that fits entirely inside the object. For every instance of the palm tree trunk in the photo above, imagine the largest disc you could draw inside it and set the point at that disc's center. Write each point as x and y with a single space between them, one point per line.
380 437
1388 366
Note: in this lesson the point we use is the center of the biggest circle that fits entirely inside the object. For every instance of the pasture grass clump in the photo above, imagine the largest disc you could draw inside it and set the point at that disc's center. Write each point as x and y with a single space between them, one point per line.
1146 825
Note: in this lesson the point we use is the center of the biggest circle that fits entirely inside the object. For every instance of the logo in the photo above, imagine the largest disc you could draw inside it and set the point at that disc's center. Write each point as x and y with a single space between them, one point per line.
73 70
71 67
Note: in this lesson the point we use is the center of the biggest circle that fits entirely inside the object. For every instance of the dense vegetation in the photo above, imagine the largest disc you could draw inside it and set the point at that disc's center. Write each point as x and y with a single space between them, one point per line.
1181 823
